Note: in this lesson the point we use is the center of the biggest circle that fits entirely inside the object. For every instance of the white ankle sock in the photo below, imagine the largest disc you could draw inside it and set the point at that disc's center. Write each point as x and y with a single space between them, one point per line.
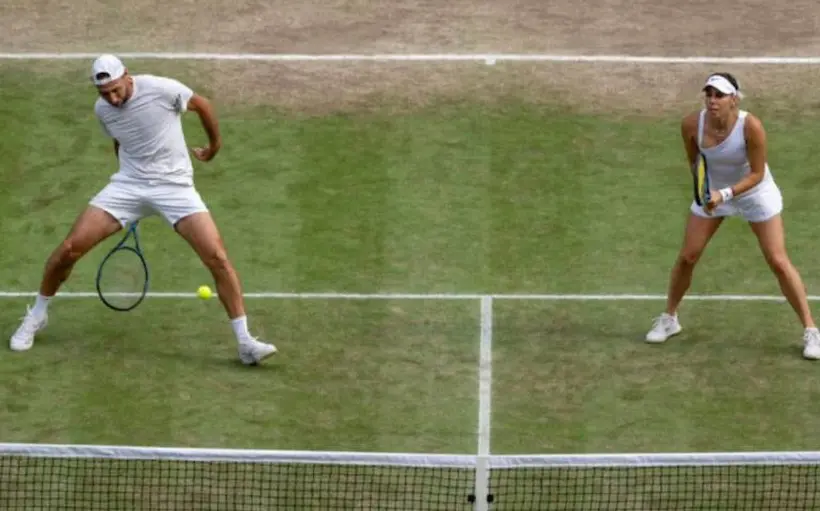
240 328
41 305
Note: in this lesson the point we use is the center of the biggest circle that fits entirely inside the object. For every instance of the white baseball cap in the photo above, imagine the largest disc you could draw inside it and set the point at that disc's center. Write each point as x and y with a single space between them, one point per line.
106 69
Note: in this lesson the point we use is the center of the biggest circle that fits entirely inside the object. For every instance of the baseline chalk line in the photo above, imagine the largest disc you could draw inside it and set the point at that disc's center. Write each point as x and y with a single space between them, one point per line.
436 296
420 57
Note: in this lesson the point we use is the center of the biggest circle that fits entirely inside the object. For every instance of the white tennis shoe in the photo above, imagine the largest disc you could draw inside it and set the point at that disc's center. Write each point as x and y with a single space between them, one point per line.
251 351
811 344
23 338
664 327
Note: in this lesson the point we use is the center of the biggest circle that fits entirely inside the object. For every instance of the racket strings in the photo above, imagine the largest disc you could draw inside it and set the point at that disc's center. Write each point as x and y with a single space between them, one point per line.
122 279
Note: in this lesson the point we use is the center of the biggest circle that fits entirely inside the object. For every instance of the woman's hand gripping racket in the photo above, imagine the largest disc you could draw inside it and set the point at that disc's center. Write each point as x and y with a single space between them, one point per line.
700 174
122 278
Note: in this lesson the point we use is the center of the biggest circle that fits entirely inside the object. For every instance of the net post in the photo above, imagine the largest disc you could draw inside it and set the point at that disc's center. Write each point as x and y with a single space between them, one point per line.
482 473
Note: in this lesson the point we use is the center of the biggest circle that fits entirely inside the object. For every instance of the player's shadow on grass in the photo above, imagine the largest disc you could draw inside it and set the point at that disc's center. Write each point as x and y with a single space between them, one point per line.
210 358
55 346
197 356
732 342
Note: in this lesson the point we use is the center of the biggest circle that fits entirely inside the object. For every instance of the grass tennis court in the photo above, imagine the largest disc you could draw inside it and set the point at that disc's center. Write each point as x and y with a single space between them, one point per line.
498 196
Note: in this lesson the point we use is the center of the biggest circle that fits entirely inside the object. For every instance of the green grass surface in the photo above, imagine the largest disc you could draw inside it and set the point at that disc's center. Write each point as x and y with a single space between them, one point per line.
576 378
376 375
455 199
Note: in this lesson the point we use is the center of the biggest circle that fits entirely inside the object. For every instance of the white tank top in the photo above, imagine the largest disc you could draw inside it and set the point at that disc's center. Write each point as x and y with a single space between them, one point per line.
727 161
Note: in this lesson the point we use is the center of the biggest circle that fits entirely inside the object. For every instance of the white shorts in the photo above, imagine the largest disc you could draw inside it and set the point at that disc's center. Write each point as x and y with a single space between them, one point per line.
129 202
757 205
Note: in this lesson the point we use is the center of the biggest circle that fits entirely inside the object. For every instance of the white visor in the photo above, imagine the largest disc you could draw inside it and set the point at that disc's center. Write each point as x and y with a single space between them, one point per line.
722 84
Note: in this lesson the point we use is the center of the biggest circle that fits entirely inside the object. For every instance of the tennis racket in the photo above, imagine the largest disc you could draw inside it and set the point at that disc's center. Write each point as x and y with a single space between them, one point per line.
700 175
122 278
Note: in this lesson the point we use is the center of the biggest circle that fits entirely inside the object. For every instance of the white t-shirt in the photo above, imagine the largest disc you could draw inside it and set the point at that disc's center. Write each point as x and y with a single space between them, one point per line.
149 129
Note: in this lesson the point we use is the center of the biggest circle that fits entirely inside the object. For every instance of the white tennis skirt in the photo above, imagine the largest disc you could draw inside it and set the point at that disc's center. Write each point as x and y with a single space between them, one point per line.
759 204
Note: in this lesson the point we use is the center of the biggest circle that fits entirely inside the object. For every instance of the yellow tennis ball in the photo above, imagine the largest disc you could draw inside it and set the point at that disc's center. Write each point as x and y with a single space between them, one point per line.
204 292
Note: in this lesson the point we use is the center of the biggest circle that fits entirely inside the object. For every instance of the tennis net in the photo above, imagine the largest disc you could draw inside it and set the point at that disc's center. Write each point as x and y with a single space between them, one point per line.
73 477
655 482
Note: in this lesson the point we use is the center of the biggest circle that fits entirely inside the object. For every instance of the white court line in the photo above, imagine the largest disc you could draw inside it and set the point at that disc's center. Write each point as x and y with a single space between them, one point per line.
437 296
421 57
485 378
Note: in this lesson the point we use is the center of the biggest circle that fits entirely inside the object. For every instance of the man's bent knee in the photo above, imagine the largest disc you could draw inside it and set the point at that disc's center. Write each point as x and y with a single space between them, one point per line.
217 260
202 234
92 227
68 252
689 257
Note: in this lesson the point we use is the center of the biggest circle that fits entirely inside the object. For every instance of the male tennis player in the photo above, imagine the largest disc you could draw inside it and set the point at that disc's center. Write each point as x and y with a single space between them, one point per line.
143 116
733 142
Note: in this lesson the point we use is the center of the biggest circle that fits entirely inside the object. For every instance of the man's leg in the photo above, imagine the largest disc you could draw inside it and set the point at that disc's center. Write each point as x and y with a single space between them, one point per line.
200 231
91 227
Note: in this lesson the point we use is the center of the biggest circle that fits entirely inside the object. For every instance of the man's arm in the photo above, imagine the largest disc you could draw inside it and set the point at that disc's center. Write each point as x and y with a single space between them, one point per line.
207 116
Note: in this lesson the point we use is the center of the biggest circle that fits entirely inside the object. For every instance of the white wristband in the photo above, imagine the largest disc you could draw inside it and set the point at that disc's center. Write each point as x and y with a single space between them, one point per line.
726 194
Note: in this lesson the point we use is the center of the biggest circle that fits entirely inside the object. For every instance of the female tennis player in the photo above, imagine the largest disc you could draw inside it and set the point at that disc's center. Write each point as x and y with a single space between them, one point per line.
733 142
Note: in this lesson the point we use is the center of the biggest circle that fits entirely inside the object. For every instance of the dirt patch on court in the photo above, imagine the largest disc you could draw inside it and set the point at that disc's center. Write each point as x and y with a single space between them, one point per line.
645 90
644 27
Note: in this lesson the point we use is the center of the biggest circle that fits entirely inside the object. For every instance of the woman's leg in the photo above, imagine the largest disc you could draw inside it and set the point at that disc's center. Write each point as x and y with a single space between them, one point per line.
771 237
699 230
